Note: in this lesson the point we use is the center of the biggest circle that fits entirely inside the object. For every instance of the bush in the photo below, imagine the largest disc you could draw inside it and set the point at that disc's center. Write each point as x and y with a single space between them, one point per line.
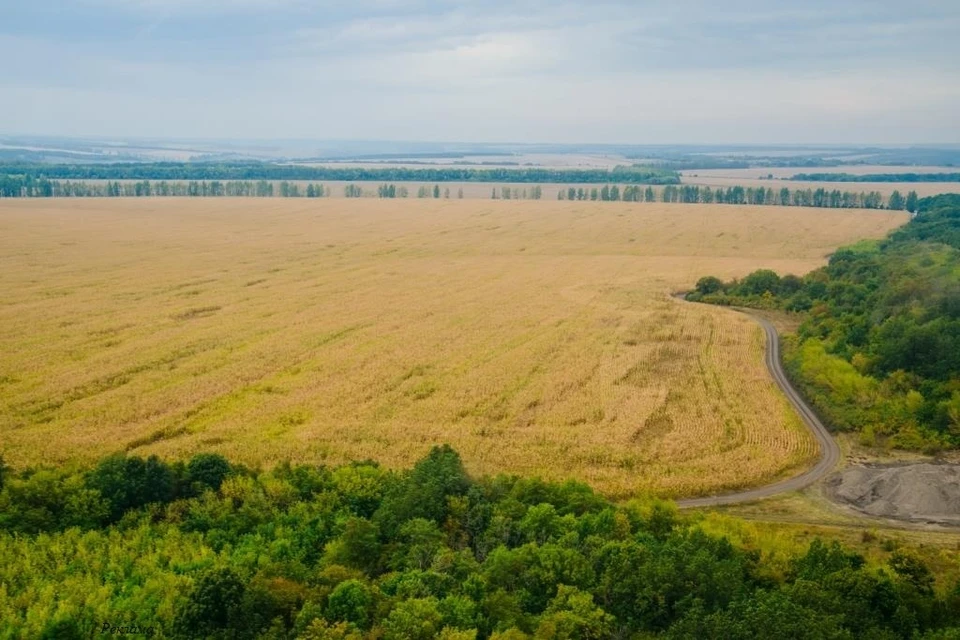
62 629
424 492
132 482
351 601
708 285
758 283
415 619
48 501
208 470
212 608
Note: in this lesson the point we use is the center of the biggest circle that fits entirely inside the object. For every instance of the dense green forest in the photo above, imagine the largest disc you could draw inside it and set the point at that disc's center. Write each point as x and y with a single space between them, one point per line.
200 171
879 348
206 549
878 177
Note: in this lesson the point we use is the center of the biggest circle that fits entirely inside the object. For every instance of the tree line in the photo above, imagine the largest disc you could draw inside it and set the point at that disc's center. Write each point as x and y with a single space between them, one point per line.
610 193
878 351
878 177
210 549
274 172
28 187
822 198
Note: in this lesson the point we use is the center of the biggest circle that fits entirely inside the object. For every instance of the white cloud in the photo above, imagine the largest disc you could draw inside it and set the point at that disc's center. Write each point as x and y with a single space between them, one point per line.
529 71
176 7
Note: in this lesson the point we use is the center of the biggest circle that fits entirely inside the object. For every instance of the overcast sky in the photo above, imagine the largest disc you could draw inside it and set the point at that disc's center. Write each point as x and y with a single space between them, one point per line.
631 71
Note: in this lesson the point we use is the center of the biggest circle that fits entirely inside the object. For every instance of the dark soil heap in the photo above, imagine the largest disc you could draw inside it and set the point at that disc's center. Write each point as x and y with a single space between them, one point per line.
917 492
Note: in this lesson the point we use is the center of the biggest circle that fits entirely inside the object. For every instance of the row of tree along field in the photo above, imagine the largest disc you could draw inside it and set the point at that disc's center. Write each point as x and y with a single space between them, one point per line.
878 177
534 192
14 187
824 198
208 549
180 171
28 187
878 351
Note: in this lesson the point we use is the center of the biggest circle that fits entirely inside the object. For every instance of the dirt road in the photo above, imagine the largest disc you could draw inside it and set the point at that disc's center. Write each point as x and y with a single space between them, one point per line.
829 450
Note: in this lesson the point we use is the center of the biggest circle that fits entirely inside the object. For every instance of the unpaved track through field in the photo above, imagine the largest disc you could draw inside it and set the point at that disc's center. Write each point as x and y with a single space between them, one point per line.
829 450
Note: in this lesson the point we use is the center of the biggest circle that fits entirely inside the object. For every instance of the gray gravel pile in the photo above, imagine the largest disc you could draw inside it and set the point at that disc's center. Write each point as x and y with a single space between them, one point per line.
917 492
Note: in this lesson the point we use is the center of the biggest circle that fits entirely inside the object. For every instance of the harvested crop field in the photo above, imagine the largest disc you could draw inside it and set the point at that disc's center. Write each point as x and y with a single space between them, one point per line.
788 172
535 337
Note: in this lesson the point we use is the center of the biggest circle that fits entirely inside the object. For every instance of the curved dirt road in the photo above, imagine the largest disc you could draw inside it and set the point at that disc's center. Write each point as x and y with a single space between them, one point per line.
829 450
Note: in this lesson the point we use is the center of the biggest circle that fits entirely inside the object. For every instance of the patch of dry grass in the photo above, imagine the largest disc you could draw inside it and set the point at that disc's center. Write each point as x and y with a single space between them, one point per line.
535 337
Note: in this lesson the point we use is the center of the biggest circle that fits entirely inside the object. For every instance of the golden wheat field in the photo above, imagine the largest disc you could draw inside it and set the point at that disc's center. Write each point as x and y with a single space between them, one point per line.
535 337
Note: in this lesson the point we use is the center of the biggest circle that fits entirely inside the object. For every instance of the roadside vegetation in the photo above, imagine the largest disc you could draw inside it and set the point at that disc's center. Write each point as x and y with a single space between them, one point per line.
210 549
879 348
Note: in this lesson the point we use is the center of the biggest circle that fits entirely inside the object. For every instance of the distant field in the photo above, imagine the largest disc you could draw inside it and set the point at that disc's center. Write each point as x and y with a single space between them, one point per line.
536 337
508 161
787 172
752 178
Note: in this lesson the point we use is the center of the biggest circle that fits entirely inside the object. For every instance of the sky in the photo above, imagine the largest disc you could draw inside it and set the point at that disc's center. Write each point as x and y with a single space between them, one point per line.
562 71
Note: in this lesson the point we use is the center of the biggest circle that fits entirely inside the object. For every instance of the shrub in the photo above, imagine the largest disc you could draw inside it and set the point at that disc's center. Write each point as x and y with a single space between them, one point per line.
213 606
208 470
415 619
131 482
351 601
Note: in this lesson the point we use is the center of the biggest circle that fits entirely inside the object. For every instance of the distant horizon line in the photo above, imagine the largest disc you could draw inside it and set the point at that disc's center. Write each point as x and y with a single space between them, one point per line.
311 140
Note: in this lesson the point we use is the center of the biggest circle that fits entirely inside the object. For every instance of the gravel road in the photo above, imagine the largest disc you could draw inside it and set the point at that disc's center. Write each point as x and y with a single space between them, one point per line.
829 451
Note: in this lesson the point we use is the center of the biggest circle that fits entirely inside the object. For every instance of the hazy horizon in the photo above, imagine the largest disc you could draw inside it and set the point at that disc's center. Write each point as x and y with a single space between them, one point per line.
505 143
533 72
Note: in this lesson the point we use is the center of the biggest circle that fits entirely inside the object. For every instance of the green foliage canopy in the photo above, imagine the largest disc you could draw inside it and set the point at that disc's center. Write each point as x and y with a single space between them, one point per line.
354 552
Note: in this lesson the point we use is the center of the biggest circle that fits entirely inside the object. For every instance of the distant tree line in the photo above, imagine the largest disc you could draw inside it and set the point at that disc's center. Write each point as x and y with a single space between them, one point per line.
27 186
878 177
276 172
393 191
516 193
30 187
609 193
822 198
